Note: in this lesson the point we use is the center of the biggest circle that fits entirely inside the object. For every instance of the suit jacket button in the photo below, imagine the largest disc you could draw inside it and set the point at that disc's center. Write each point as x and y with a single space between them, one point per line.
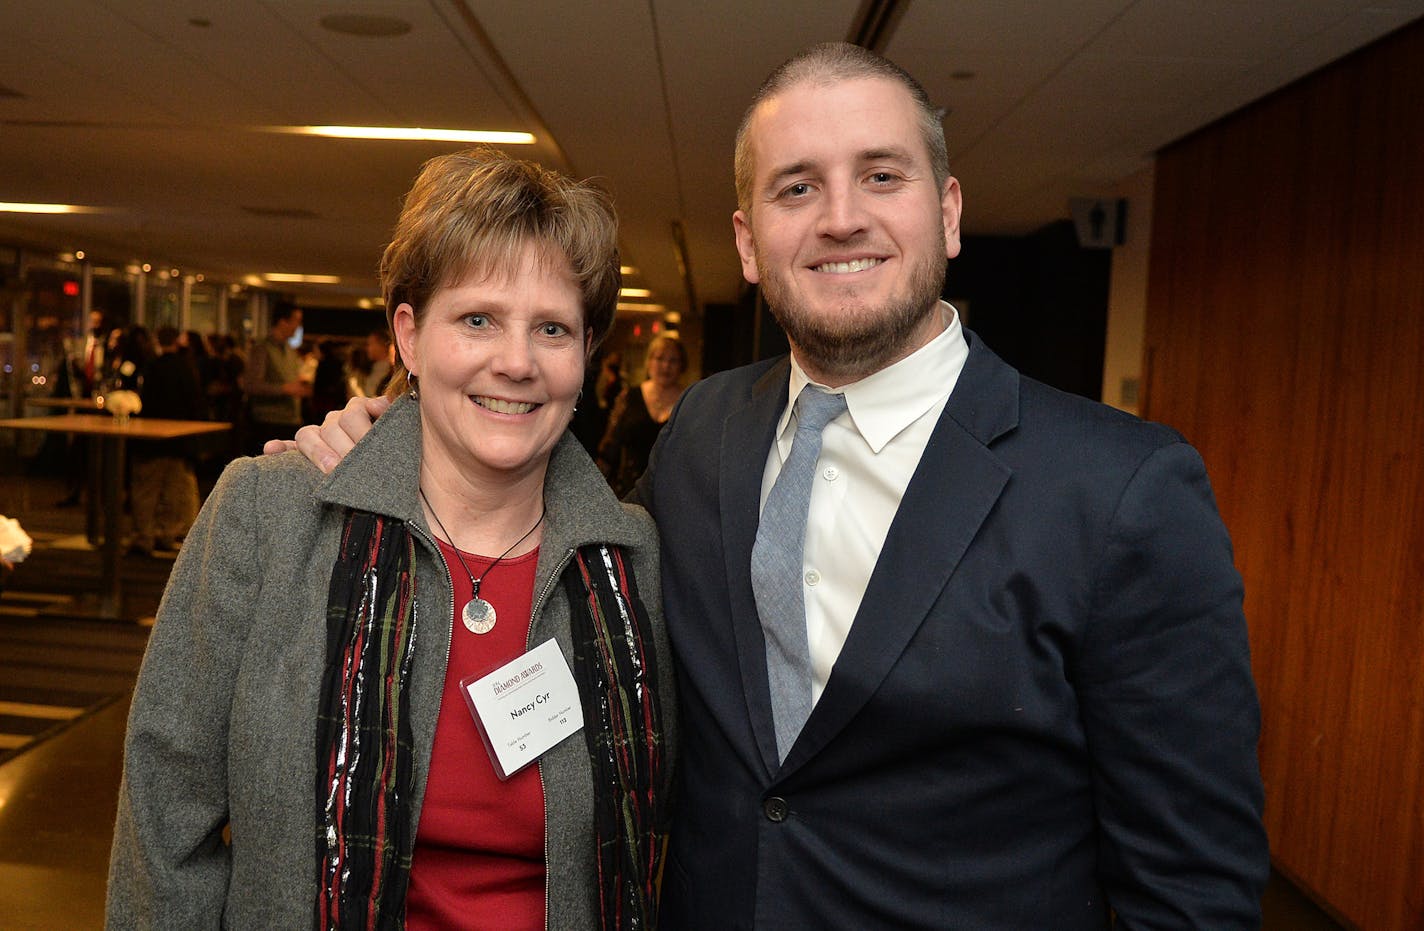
775 809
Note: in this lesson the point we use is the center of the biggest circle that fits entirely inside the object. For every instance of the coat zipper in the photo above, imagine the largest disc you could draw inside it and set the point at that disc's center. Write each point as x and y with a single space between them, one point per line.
543 789
450 636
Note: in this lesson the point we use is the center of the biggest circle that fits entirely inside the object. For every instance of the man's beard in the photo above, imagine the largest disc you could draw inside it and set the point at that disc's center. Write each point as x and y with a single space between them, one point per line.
855 341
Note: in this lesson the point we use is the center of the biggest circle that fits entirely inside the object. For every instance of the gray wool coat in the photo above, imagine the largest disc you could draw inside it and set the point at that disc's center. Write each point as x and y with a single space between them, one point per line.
223 725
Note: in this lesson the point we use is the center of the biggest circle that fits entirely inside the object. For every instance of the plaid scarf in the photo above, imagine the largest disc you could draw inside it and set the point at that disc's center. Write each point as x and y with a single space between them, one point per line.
365 764
616 670
365 770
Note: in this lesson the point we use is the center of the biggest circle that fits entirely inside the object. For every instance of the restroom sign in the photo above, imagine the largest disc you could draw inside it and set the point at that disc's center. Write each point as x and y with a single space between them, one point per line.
1100 223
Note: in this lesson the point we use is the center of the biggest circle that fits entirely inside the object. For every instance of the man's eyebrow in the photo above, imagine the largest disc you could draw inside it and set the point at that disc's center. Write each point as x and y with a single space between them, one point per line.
795 168
887 154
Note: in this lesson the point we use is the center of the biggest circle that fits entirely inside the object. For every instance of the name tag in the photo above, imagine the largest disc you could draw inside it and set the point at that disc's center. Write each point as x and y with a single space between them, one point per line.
524 707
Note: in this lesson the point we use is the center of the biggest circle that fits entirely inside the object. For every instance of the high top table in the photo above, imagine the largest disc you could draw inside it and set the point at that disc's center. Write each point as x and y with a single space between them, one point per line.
91 504
107 482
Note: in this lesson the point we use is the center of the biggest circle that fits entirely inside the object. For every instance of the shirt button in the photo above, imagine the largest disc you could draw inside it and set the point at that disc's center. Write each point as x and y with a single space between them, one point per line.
813 577
775 809
830 473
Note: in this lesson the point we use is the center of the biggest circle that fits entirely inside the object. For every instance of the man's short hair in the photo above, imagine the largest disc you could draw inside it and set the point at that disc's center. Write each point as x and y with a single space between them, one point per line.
282 311
830 63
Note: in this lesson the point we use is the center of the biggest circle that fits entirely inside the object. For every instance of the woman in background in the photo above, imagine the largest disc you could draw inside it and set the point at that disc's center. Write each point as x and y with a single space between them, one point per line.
639 414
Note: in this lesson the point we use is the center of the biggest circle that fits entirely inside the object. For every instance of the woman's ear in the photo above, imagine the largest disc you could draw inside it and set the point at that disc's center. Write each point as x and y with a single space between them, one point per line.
403 325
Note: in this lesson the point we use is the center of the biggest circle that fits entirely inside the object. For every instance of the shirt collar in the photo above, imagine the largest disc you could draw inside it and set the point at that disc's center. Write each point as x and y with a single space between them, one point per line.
883 404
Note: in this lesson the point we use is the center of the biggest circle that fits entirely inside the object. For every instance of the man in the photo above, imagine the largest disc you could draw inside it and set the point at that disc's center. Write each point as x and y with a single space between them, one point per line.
273 378
378 357
1024 677
90 363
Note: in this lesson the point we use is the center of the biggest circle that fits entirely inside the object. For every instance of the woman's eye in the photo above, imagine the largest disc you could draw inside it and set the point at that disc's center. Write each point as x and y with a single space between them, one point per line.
553 329
476 321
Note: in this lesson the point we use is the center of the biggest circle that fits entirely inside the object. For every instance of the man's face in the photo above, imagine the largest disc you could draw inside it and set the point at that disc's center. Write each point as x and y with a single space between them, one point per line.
283 329
847 233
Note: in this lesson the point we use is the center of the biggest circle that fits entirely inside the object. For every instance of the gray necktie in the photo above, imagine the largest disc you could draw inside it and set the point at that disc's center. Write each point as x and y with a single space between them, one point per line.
777 566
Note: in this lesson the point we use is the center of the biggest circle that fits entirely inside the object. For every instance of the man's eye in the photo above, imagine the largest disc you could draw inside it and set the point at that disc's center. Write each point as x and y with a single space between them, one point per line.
553 329
882 177
800 189
476 321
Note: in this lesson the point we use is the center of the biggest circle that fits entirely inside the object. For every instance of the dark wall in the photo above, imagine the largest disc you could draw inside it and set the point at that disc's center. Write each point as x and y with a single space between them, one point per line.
1040 302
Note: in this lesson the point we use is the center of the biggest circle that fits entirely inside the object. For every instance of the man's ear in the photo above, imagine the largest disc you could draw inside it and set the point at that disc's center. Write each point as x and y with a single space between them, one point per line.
951 205
746 246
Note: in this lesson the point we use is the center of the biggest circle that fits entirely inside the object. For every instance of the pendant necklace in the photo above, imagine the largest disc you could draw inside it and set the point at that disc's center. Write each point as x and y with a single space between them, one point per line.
478 614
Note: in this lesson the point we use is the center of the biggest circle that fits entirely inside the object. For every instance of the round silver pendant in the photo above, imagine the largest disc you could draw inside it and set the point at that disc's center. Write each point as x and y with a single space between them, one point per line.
478 616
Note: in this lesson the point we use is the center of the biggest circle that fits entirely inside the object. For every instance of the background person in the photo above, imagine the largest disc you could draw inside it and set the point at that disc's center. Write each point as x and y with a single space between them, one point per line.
272 377
378 355
308 611
164 494
640 412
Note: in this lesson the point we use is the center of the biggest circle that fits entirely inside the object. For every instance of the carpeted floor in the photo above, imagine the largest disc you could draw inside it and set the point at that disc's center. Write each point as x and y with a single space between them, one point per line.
55 670
57 662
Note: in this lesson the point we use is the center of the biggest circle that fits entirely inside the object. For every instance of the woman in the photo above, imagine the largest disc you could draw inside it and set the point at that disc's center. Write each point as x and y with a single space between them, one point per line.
303 682
639 413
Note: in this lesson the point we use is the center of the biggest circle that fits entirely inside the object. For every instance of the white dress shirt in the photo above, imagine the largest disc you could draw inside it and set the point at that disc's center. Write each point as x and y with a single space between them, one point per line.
868 456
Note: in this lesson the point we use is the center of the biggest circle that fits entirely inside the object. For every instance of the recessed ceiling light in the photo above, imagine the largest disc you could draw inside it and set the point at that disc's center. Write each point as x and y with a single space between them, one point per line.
360 24
406 133
290 278
634 292
655 308
43 208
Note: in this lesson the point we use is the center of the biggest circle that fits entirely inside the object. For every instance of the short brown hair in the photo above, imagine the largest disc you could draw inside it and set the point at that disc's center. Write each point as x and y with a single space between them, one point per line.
829 63
476 211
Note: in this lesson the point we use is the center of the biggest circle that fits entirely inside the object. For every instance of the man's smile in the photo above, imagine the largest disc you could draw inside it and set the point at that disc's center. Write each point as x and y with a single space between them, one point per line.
846 268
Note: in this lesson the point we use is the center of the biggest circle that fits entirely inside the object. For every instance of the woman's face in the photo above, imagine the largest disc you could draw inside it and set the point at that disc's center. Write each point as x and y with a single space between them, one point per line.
499 361
665 366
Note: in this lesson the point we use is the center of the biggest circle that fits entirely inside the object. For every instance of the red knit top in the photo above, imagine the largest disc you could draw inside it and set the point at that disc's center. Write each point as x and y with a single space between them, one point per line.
479 848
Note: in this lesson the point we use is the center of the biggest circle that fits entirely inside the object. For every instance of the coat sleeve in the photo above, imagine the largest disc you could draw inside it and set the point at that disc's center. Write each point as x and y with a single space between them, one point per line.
1170 709
169 865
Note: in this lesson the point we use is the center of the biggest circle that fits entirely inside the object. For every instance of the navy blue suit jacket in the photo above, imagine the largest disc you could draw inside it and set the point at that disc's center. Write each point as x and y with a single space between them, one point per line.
1044 709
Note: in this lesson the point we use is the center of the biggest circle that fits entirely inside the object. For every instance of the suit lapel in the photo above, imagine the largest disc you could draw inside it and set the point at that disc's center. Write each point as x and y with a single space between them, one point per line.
747 435
953 490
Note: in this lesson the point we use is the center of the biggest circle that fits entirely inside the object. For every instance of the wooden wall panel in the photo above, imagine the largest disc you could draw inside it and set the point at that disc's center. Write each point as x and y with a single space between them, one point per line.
1285 338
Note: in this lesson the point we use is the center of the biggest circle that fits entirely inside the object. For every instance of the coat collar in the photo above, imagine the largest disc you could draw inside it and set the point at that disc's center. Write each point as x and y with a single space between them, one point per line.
746 430
382 474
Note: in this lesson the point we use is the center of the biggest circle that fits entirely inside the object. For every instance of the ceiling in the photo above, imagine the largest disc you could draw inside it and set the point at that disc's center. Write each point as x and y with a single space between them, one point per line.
151 111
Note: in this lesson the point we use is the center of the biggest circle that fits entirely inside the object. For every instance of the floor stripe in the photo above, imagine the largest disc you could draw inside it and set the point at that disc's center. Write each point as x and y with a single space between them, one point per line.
20 709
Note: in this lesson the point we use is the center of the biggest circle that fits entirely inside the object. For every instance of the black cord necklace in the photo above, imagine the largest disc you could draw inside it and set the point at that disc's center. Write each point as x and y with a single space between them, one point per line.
478 614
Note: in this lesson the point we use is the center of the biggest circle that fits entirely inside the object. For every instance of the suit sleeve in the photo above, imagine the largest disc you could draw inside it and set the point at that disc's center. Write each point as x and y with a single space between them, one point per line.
169 865
1170 709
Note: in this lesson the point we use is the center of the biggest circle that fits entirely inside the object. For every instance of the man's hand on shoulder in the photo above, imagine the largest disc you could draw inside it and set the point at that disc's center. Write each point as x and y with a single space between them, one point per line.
329 443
